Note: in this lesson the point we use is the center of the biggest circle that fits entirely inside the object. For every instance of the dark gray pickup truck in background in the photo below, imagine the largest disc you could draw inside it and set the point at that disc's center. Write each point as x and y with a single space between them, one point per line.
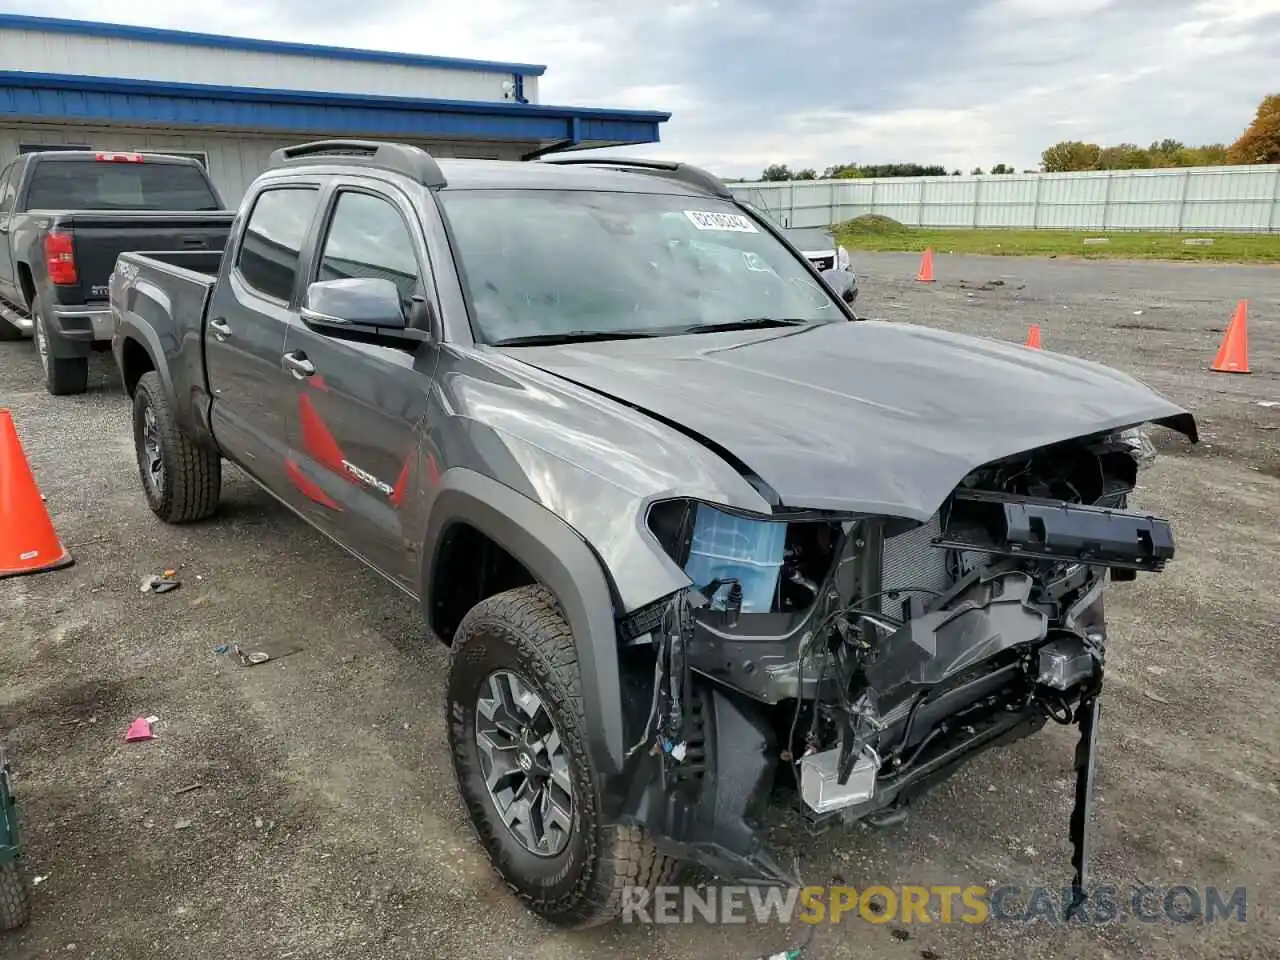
65 216
702 543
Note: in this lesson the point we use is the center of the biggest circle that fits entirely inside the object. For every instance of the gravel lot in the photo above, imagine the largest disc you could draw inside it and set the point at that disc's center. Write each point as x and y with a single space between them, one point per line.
327 824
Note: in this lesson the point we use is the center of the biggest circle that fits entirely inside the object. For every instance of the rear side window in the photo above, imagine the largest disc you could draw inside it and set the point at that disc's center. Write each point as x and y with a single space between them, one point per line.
271 250
109 185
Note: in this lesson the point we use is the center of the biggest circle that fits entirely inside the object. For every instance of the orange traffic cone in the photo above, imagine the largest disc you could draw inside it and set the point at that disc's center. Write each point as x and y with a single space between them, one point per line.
1233 355
1033 337
28 542
926 267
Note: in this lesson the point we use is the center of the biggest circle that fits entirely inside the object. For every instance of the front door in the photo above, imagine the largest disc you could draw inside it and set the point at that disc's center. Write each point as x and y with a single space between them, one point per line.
244 336
356 407
8 281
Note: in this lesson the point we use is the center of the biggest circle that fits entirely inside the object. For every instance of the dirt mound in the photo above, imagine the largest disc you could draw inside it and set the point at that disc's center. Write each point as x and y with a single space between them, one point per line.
871 224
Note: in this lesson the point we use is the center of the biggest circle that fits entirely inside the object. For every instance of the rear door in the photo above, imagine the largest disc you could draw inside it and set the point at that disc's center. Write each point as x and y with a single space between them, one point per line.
254 300
353 421
8 284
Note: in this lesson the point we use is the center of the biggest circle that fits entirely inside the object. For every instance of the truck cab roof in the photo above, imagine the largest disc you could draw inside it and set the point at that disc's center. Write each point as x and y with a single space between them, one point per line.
561 172
117 156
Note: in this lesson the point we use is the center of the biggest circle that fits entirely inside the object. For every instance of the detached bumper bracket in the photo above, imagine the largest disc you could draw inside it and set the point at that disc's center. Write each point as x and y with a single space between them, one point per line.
1081 812
1054 530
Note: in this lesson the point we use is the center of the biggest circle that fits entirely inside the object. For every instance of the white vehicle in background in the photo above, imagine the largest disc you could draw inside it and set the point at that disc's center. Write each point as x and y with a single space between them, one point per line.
818 244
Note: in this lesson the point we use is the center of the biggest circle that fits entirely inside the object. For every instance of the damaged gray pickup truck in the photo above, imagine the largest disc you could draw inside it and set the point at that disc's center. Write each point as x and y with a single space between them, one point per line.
703 543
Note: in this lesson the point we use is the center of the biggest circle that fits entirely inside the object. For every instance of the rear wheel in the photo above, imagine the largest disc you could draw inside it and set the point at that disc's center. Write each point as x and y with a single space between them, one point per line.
182 480
519 744
15 898
62 376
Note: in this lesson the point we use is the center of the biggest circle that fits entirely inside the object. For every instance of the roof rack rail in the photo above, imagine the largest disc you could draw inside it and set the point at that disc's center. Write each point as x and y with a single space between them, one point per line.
413 162
684 172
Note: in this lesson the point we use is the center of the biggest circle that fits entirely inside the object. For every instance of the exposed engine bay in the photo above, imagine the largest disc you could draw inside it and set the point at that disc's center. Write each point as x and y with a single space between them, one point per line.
853 661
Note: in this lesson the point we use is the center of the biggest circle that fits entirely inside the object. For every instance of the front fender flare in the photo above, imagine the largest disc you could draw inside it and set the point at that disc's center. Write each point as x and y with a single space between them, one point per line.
559 558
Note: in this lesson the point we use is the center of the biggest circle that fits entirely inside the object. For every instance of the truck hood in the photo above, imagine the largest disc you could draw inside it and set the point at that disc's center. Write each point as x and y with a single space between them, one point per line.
868 416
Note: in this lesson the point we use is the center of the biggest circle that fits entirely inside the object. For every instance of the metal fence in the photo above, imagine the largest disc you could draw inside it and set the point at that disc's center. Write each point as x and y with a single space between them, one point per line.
1187 200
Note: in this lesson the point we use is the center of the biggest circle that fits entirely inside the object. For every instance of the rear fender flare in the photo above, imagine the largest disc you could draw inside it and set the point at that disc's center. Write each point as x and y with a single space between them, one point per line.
188 417
558 558
127 329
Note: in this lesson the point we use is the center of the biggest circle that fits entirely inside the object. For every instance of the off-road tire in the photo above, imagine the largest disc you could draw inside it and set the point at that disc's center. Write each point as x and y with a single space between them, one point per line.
524 632
192 481
62 376
15 897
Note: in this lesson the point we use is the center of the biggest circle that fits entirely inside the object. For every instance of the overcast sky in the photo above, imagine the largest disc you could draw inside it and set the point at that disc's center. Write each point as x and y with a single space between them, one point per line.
963 83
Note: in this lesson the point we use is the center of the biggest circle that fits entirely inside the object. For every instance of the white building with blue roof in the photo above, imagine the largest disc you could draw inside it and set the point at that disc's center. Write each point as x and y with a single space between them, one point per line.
230 101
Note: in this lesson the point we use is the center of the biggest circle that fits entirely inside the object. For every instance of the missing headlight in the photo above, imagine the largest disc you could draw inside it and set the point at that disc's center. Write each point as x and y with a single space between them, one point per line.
776 565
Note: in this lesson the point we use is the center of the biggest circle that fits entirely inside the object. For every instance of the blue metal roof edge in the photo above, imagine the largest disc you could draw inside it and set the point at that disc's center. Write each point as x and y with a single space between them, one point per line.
88 84
121 31
95 100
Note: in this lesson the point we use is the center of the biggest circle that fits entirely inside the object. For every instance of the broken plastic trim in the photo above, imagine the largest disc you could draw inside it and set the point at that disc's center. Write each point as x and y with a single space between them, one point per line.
1043 529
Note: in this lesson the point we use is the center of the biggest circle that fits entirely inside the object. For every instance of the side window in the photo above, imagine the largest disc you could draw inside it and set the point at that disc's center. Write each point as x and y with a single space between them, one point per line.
7 188
368 238
271 249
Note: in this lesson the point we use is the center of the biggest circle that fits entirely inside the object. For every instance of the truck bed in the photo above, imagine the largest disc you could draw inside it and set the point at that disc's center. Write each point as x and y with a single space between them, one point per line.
100 237
169 287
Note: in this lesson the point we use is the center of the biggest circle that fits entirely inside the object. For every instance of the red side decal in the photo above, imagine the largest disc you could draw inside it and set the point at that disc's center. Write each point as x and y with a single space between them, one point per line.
308 488
317 440
433 471
316 380
402 481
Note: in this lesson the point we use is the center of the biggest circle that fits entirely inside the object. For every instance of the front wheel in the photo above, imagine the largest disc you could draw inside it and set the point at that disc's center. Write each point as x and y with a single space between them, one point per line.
181 479
15 898
10 331
519 744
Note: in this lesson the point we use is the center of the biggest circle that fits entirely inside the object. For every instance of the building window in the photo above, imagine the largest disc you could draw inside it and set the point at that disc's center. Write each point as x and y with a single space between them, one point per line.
272 246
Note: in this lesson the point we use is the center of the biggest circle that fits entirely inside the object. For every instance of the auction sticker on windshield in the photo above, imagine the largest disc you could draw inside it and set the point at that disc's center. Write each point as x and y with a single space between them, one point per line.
733 222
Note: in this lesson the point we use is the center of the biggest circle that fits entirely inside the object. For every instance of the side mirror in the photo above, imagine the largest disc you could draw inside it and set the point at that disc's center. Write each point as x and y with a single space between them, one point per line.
363 301
843 283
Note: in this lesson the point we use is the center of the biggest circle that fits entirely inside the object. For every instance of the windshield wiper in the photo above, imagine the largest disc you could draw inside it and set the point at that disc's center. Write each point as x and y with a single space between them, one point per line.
749 323
573 336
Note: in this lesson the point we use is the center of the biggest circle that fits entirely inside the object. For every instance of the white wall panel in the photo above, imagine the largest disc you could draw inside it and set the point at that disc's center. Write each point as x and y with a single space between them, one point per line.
58 53
1202 199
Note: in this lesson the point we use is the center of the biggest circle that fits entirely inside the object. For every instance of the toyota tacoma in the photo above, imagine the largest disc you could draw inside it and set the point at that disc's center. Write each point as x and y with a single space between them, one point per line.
703 544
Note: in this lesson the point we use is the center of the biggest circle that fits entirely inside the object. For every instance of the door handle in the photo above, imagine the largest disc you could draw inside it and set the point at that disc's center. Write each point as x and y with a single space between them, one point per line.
192 242
298 364
221 329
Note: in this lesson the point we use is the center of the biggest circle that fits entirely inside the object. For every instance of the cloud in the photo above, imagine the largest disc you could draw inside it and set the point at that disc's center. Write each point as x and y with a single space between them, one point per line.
753 82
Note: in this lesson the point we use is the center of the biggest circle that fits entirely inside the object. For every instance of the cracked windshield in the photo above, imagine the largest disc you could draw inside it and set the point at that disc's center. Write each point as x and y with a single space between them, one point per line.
593 265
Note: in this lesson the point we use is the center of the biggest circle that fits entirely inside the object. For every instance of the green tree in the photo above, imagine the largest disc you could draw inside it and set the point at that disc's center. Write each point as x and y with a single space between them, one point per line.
775 172
805 175
1070 155
1125 156
1260 143
1213 155
1001 168
976 172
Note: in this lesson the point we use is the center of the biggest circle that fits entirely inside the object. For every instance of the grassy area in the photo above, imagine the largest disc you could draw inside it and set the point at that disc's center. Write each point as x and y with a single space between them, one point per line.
881 233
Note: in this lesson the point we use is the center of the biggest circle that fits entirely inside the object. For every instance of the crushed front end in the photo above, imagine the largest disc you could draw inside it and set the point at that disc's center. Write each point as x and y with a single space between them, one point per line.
846 663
